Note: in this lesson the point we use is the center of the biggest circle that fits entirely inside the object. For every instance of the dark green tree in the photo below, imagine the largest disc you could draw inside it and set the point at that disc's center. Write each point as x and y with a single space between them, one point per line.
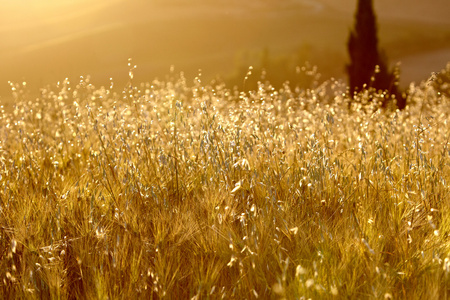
367 66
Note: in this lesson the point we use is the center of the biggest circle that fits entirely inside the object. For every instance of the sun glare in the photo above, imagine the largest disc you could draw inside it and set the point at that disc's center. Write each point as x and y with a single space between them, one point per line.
29 8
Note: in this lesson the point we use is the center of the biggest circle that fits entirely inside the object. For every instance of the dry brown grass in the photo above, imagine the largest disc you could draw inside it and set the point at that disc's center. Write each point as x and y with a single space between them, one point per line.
166 190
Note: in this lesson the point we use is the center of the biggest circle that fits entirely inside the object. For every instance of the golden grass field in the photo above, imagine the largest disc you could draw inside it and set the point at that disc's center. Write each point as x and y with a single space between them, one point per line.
173 190
186 187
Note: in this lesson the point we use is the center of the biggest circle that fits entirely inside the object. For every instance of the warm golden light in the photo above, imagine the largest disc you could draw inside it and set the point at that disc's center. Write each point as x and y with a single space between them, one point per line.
45 41
213 149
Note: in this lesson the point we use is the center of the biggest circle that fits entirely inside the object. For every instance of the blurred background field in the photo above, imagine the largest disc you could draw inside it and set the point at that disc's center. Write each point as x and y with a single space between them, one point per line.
46 41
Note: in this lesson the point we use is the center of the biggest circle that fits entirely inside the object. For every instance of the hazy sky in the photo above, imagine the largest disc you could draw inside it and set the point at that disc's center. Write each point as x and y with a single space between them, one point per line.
42 41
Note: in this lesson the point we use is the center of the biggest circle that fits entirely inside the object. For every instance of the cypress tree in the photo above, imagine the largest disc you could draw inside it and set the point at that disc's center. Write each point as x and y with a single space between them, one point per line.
367 66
